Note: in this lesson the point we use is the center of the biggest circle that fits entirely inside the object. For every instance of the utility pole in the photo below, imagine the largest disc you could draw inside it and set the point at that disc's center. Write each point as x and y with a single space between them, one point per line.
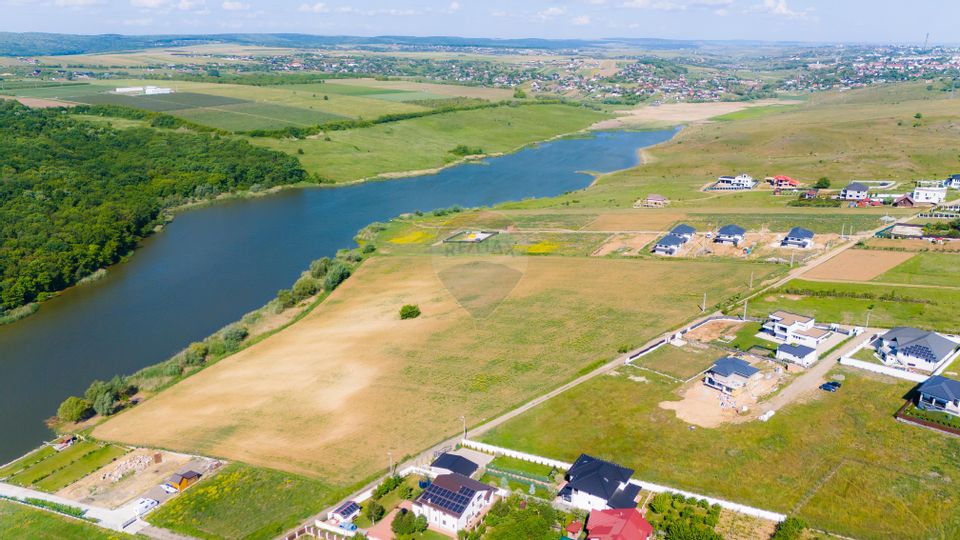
745 302
868 319
791 260
390 461
751 279
704 307
464 420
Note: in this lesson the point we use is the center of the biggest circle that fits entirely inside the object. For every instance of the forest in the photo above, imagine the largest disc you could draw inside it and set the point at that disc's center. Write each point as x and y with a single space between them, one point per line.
76 196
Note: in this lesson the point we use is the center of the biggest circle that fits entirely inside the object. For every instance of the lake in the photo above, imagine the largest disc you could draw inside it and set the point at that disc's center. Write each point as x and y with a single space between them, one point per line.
213 264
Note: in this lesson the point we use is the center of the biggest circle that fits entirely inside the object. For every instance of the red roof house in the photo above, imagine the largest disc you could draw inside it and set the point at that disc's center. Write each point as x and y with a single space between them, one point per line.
782 181
620 524
573 529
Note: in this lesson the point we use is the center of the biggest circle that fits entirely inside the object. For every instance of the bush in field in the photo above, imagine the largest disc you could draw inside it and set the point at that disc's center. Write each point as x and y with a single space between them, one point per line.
305 287
822 183
789 529
369 248
389 484
374 511
195 354
234 335
319 267
104 405
74 409
410 311
405 491
285 298
337 274
661 502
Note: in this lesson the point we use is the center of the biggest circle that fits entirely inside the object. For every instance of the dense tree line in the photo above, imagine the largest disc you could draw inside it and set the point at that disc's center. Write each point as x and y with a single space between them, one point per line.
75 196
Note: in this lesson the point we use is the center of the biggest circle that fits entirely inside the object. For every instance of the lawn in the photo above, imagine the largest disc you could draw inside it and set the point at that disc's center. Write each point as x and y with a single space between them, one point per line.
53 462
160 103
680 362
923 307
244 502
784 220
746 338
926 269
522 467
876 463
19 521
26 461
425 143
249 116
63 468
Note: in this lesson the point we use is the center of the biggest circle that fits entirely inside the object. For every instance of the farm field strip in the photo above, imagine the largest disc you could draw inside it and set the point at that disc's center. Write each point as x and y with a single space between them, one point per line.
858 265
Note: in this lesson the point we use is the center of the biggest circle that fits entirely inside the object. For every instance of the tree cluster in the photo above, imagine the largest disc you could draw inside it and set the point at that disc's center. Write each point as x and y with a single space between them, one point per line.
407 523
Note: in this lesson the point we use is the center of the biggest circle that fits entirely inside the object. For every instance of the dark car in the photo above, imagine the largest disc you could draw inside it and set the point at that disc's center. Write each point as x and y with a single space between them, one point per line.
828 387
835 384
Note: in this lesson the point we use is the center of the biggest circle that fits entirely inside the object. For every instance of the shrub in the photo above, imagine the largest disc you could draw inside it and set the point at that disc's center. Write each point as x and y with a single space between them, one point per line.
337 274
195 354
409 311
405 491
789 529
822 183
406 523
661 502
389 484
104 404
74 409
369 248
319 267
374 511
285 298
235 333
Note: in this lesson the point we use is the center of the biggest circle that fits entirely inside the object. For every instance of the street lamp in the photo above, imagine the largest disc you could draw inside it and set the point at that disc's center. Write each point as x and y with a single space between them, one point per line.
390 458
464 420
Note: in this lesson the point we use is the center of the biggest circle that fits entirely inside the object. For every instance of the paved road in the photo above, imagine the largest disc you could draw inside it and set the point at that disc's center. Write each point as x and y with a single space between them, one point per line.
111 519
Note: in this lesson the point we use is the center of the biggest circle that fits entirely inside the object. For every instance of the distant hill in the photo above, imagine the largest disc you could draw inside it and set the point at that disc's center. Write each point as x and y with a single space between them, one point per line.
43 44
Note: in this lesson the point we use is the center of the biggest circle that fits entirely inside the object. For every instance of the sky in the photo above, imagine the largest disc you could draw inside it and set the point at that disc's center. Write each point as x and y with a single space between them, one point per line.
875 21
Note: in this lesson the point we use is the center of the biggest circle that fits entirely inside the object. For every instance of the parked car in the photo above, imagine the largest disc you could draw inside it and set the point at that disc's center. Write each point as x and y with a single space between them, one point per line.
145 505
828 387
168 488
835 384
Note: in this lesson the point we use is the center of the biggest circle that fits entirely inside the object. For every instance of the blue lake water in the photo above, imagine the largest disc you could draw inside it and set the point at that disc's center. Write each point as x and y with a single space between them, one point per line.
211 265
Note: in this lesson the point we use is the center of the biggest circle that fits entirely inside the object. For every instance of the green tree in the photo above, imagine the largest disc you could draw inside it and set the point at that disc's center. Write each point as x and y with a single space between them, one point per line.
319 267
410 311
104 405
195 354
822 183
519 93
337 274
374 511
74 409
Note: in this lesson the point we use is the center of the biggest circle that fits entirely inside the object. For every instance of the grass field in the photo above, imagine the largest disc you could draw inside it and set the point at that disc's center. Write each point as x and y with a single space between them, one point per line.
681 363
425 143
298 401
26 461
926 269
924 307
840 450
18 521
244 502
61 469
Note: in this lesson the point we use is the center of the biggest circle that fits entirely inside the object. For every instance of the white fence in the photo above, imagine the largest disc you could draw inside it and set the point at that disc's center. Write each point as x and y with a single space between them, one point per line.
883 370
656 488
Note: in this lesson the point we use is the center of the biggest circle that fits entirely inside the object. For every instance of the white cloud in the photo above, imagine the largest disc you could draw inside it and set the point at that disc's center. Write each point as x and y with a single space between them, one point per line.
375 12
319 7
149 4
138 22
780 9
677 5
454 6
551 12
187 5
76 3
235 6
582 20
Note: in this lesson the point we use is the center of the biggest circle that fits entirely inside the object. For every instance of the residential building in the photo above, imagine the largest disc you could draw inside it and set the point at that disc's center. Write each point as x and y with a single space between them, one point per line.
939 394
740 181
619 524
731 375
855 191
929 193
730 234
181 481
668 245
792 328
573 530
952 181
655 200
447 463
914 348
797 354
798 237
453 501
782 182
810 194
904 201
595 484
346 512
684 231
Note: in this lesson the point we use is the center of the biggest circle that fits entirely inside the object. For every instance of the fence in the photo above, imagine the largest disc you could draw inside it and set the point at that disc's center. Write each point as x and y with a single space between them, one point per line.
901 416
883 370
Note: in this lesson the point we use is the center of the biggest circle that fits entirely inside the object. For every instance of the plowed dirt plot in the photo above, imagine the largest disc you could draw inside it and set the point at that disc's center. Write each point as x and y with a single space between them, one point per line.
331 394
625 244
640 220
857 265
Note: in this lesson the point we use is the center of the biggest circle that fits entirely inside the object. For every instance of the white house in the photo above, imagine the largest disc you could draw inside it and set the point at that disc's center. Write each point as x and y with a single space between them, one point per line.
929 193
798 237
453 501
731 375
914 348
346 512
855 191
798 354
740 181
792 328
952 181
684 231
668 245
730 234
939 394
595 484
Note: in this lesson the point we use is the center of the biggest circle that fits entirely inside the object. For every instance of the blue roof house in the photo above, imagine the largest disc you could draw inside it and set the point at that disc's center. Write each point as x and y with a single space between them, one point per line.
731 375
940 394
595 484
684 231
730 234
798 237
668 245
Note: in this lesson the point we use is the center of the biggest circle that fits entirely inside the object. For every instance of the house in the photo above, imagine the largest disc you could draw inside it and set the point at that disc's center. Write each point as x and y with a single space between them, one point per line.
452 502
797 354
573 530
904 201
595 484
939 394
655 200
740 181
668 245
914 348
684 231
180 481
452 463
798 237
810 194
346 512
620 524
952 181
731 375
929 192
730 234
855 191
792 328
782 182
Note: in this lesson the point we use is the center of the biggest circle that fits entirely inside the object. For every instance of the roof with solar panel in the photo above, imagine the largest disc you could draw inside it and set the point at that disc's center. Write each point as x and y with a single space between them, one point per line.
452 493
928 346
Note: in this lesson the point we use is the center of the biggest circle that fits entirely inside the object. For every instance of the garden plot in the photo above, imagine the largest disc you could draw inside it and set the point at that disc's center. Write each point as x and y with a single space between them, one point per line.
857 265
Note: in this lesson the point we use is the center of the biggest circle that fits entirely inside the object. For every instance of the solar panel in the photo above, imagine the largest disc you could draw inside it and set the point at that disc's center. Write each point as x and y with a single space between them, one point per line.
348 508
448 500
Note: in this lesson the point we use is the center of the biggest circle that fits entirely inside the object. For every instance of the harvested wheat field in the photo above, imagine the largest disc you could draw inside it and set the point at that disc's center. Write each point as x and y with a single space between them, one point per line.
857 265
330 395
638 220
674 113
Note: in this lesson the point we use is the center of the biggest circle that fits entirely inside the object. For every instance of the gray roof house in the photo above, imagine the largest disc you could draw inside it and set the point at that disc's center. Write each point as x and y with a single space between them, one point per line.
595 484
731 234
798 237
798 354
683 231
452 463
855 191
915 348
731 375
952 181
668 245
940 394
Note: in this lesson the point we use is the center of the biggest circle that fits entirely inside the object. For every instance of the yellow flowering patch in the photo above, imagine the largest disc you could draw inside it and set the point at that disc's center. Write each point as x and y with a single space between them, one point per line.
412 237
542 248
